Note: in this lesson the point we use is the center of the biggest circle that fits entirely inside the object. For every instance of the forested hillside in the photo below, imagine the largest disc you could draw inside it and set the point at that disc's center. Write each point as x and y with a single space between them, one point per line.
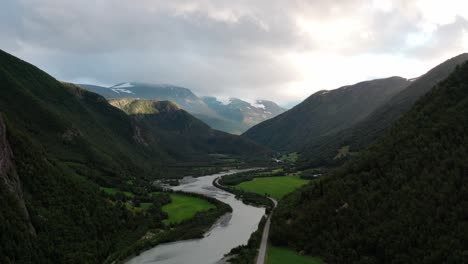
58 143
185 137
403 200
325 151
63 149
324 113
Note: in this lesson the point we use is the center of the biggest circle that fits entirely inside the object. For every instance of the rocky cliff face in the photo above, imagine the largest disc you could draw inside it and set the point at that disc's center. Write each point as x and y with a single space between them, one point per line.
6 155
9 179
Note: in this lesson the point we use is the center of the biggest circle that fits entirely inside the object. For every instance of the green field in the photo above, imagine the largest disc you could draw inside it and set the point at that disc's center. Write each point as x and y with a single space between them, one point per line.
276 187
184 207
280 255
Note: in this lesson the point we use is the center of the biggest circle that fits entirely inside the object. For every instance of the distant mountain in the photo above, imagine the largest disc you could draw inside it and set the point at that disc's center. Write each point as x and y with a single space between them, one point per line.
325 113
402 200
326 150
235 117
183 97
182 135
240 111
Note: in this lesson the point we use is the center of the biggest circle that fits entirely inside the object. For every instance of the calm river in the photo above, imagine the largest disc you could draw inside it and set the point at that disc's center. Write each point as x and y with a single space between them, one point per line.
229 231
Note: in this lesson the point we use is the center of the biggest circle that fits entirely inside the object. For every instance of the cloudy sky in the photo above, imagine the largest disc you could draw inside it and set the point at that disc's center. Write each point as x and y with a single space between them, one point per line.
280 50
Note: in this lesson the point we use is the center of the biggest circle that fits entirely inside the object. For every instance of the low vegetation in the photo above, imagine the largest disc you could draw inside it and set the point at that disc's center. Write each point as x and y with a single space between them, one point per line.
184 207
276 187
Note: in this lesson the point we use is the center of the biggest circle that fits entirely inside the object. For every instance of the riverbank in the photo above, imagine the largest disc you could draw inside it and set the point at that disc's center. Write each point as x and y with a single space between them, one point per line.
258 241
191 228
234 229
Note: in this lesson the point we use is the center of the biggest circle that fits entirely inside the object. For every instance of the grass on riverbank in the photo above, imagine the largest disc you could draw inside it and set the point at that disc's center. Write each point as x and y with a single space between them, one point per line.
184 207
281 255
276 187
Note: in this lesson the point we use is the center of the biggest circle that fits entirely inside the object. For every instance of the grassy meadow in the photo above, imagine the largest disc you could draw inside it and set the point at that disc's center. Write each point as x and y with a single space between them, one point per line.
276 187
184 207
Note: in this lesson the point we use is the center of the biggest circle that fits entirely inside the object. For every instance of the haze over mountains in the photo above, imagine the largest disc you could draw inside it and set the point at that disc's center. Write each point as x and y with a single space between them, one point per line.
234 116
326 150
185 137
330 125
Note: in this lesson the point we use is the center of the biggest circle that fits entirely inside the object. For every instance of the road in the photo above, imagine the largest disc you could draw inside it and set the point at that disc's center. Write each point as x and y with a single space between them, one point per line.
266 232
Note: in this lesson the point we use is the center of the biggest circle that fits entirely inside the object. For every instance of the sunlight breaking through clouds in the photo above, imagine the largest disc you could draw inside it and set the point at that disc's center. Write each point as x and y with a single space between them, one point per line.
279 50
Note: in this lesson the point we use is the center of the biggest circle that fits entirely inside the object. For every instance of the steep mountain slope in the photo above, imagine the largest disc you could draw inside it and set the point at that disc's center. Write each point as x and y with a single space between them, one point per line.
184 136
57 143
325 150
325 113
401 201
235 117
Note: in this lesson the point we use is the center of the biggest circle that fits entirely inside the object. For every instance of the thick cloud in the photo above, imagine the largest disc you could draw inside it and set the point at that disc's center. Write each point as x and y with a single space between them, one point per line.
280 50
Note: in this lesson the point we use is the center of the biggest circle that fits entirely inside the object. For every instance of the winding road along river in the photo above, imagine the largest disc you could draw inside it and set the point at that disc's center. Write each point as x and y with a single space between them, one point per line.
229 231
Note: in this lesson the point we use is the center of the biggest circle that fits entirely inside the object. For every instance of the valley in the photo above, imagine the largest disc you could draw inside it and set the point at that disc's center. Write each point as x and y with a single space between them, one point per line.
230 231
233 115
143 172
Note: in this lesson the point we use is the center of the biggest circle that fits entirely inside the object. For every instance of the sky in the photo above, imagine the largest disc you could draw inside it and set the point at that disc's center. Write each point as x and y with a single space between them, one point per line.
251 49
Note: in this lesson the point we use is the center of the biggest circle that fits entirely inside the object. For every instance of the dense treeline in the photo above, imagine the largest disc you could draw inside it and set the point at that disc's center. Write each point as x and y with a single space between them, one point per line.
236 178
61 205
403 200
194 227
249 198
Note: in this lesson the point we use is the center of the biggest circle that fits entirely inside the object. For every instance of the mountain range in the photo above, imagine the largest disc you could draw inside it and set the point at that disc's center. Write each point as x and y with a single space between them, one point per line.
183 136
330 126
234 116
333 149
401 200
324 113
394 190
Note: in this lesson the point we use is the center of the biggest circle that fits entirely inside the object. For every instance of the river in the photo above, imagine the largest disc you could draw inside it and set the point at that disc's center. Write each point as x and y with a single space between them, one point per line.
229 231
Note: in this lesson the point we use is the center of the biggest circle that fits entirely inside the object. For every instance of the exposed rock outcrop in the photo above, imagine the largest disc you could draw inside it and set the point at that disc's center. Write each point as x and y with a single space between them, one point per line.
9 179
70 135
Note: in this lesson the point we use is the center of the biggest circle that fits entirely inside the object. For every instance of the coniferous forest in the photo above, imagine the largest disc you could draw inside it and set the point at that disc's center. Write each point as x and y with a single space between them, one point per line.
242 132
403 200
